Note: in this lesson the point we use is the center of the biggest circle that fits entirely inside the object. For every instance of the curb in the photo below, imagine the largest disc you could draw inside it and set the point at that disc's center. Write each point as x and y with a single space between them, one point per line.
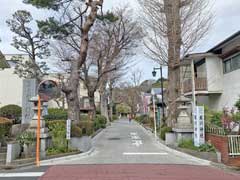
194 159
61 160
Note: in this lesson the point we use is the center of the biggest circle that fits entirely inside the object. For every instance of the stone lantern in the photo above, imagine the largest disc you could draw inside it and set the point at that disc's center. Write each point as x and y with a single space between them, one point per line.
43 130
184 127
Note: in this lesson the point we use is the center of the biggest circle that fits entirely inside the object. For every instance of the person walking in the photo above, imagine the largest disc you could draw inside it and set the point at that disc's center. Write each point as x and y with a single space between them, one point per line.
130 118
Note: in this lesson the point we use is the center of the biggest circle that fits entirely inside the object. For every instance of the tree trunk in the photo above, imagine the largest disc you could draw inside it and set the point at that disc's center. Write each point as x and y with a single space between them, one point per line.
103 106
92 104
73 107
172 12
71 88
111 102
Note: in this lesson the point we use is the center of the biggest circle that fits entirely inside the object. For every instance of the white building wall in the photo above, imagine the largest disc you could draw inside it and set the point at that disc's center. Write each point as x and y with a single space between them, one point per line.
231 90
10 88
214 74
228 87
10 84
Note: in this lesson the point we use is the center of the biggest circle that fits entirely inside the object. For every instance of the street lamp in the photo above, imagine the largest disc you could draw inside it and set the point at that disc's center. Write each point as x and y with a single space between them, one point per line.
154 73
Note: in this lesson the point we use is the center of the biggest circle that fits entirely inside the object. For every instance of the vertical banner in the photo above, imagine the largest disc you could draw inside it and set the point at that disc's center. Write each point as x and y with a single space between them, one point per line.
68 131
199 129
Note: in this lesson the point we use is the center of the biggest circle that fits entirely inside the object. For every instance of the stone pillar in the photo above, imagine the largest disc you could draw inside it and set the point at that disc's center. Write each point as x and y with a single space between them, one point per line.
29 90
43 130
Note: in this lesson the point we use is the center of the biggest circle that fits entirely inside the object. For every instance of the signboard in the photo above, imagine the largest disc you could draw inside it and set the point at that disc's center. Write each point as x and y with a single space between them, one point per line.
68 131
48 90
199 132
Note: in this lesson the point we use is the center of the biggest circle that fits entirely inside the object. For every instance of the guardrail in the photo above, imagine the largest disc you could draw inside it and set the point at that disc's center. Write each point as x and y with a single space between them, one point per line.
234 145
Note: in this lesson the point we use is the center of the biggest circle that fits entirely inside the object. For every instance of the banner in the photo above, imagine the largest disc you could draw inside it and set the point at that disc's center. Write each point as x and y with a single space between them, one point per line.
199 129
68 129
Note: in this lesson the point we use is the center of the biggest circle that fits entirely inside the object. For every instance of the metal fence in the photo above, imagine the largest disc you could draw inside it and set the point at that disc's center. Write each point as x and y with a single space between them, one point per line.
215 130
234 145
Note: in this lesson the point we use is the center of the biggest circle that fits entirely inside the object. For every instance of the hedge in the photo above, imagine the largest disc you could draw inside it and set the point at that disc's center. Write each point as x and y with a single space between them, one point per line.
77 130
5 126
56 114
99 122
11 111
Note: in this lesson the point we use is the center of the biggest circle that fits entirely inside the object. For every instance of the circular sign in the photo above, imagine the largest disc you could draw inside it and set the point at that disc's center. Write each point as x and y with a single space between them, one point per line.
48 90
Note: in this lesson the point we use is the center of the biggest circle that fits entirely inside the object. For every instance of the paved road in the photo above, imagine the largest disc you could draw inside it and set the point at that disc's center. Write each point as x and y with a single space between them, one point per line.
127 143
127 151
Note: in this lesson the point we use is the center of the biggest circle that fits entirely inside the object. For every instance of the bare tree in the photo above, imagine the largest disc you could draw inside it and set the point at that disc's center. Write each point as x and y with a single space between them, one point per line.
129 92
175 27
113 39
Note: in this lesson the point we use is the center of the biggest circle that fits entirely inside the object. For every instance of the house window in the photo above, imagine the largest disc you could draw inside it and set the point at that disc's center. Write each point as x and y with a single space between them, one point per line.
231 64
227 66
236 62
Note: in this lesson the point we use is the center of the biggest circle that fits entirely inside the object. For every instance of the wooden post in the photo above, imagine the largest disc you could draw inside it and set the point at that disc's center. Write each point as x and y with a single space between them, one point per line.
193 88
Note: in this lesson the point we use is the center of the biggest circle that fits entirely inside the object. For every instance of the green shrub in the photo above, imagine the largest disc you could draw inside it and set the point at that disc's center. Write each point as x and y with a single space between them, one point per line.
27 138
144 119
5 126
84 117
187 144
237 104
163 132
12 112
50 124
76 131
56 114
100 122
57 130
236 117
213 117
114 117
87 127
207 148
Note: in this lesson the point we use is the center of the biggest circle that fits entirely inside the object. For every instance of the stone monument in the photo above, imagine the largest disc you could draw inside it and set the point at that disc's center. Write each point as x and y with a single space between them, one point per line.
29 91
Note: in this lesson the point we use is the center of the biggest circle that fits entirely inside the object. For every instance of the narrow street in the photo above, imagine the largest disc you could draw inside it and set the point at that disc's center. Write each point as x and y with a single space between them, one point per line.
126 151
130 143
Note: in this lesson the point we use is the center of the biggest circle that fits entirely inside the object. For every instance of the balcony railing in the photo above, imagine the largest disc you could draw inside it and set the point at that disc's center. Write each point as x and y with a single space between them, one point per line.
200 85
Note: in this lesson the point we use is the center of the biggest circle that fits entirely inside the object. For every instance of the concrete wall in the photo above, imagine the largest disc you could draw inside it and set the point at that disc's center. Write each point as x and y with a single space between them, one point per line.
214 74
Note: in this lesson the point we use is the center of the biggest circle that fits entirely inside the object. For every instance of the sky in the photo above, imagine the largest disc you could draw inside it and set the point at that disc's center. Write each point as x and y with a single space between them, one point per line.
226 22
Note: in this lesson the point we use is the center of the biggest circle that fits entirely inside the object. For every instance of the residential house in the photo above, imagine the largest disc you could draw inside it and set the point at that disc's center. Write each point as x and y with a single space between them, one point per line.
216 74
11 85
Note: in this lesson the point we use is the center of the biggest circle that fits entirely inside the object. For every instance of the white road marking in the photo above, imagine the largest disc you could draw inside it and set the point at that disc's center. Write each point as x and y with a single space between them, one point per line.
25 174
137 143
145 153
136 140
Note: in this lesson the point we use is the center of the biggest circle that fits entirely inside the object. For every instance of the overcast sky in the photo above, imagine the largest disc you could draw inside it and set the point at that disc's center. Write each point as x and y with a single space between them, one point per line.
227 18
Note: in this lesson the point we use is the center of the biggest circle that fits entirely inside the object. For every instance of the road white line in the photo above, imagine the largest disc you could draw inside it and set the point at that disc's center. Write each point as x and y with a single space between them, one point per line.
137 153
25 174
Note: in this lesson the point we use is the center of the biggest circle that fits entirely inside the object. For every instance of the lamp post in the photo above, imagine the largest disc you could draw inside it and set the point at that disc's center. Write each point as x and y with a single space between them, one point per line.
154 73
